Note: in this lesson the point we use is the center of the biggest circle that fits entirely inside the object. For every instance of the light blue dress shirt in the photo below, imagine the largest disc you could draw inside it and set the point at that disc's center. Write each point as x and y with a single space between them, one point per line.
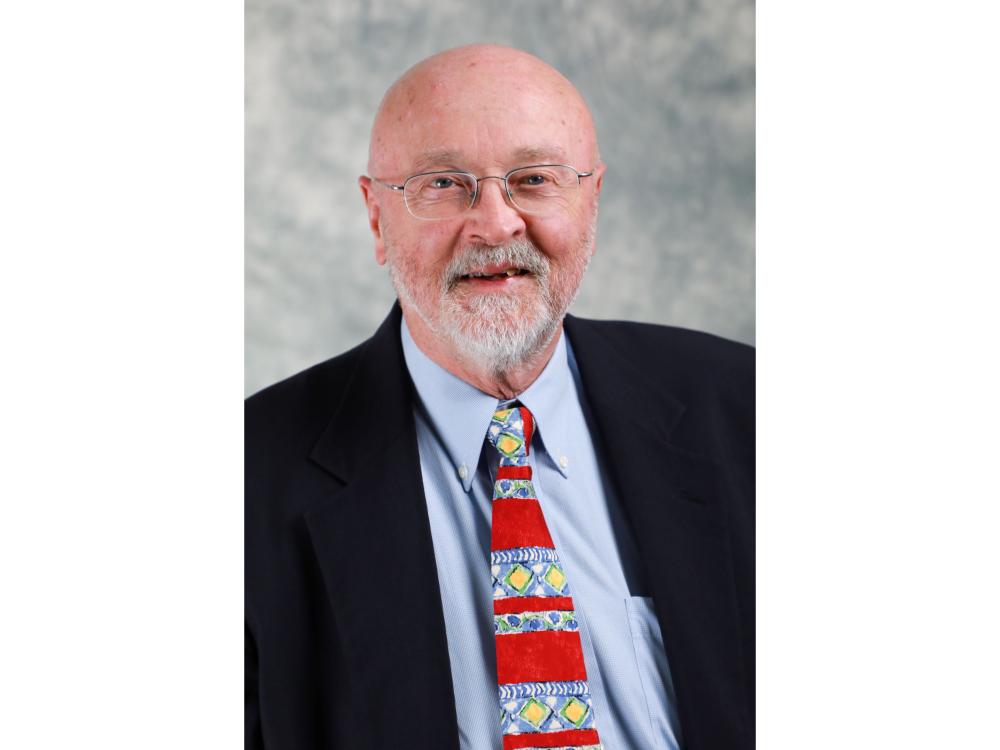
627 669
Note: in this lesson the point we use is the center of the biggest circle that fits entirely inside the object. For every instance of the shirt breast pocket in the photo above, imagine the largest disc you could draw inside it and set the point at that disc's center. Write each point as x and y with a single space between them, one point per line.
654 673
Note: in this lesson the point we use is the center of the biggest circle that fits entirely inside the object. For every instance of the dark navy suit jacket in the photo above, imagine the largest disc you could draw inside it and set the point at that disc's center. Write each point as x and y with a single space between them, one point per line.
345 636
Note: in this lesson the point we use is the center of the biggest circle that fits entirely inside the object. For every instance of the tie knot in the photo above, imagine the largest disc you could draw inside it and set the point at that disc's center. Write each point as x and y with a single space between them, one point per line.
510 432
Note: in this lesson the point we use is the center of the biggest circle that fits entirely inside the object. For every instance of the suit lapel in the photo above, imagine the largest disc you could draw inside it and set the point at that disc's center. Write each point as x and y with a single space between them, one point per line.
674 500
373 543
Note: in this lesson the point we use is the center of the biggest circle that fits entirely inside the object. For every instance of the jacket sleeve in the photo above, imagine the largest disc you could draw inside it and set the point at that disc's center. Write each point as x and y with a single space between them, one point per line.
253 737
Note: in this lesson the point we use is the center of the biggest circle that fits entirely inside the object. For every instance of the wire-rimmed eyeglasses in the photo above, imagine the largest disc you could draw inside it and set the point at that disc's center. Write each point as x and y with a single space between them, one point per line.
536 189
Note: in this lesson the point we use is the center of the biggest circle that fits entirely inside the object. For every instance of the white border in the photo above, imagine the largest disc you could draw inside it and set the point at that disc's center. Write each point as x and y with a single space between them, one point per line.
877 257
121 448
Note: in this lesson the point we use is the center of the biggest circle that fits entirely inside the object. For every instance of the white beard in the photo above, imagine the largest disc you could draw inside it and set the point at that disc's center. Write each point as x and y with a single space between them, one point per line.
494 331
498 330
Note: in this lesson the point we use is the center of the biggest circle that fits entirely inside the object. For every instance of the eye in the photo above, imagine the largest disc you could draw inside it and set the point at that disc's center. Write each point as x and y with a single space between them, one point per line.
442 183
535 179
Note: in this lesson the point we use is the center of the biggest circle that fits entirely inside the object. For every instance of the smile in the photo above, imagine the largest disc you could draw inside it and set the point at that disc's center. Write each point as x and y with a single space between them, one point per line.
495 276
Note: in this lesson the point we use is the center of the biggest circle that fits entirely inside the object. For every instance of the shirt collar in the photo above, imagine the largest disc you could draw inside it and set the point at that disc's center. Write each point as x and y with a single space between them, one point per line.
461 413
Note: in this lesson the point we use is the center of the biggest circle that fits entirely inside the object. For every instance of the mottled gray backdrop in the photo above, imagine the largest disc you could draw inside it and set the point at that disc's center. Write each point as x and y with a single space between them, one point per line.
671 86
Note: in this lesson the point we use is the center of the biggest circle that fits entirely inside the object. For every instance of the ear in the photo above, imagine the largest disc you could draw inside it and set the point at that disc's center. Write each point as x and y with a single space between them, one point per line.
599 178
374 216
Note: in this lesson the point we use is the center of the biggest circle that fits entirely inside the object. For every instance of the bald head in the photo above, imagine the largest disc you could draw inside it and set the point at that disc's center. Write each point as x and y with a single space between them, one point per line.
474 103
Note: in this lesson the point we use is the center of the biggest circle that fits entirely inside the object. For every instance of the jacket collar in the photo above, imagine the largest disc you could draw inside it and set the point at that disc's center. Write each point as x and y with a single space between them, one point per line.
379 392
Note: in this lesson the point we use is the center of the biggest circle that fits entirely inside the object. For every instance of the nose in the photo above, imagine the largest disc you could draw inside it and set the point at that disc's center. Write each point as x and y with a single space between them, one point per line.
493 220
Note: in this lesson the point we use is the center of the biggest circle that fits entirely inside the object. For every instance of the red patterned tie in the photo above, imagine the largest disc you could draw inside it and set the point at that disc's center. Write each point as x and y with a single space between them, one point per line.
544 696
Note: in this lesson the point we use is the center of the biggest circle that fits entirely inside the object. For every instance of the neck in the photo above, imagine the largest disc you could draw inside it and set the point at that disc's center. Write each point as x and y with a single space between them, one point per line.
502 385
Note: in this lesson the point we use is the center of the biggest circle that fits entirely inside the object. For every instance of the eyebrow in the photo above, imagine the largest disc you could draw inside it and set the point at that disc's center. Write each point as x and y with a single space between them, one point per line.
447 158
438 157
539 154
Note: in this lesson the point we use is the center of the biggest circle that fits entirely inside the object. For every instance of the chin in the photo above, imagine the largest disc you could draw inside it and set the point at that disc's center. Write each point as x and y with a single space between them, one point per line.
497 332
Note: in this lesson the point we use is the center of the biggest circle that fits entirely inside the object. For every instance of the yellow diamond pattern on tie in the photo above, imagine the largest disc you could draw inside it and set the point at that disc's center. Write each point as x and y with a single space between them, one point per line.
555 578
535 713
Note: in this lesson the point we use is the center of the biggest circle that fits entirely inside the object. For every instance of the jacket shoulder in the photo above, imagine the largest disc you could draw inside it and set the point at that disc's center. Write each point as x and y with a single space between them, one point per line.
299 407
678 357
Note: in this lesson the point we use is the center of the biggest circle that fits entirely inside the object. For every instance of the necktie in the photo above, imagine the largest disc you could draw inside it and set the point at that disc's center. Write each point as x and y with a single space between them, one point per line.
544 696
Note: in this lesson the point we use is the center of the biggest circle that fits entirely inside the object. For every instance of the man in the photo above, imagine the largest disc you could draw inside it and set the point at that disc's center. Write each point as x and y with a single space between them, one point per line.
383 606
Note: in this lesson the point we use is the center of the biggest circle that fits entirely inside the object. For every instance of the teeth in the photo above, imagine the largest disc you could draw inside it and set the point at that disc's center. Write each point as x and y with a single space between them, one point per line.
509 272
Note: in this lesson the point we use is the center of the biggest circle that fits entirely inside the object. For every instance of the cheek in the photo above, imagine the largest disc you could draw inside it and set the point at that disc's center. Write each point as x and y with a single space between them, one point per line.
412 241
560 240
424 255
434 243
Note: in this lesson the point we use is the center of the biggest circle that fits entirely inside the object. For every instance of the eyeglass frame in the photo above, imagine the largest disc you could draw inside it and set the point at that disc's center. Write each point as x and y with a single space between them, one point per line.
475 194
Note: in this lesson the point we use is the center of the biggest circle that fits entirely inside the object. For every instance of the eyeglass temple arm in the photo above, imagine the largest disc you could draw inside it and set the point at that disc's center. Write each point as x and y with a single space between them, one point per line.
387 184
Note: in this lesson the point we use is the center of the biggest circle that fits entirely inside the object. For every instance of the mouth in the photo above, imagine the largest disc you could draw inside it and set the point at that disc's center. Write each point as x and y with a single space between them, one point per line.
492 274
494 278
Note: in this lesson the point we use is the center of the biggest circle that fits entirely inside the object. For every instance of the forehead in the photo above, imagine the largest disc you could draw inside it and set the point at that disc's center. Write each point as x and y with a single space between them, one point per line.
450 157
471 120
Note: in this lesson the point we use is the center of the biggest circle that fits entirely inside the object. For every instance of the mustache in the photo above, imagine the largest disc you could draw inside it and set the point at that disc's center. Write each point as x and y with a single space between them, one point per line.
517 253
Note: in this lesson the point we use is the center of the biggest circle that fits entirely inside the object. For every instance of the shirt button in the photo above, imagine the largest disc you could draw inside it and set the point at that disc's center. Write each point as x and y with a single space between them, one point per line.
463 472
563 461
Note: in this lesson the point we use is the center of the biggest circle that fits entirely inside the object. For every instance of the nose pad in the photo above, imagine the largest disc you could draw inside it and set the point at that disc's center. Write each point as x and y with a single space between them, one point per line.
493 220
501 185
